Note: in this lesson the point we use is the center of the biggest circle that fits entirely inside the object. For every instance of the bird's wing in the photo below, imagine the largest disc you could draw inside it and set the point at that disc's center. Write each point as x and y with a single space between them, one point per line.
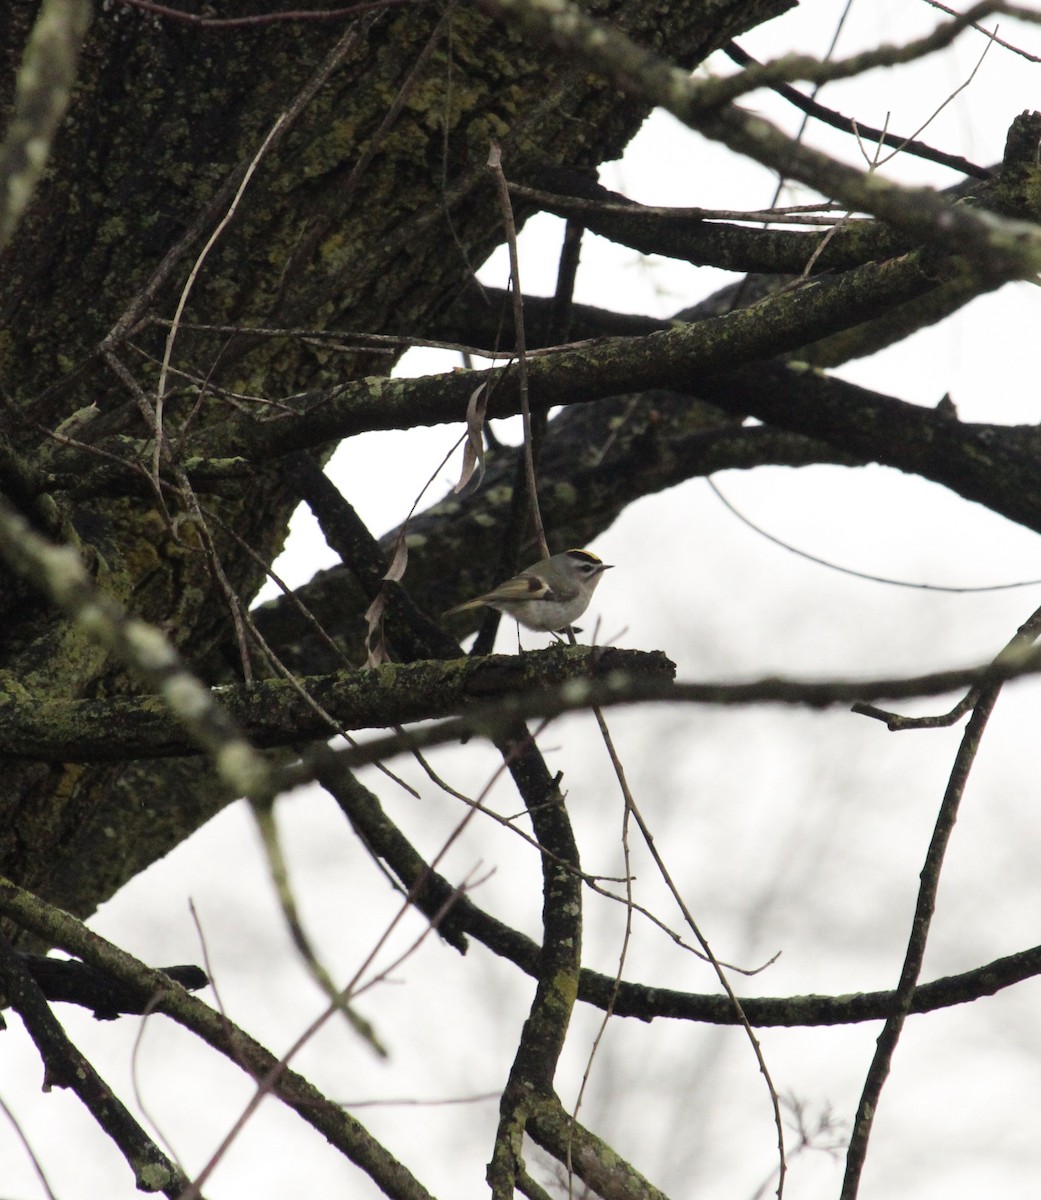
520 587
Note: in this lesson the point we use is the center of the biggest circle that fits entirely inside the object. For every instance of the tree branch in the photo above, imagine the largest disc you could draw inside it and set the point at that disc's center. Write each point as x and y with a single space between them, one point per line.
42 89
66 1067
1000 249
493 719
590 371
828 116
626 998
272 712
339 1128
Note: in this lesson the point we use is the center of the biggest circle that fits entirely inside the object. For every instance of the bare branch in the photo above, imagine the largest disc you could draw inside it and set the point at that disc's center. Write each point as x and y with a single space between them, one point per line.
1003 249
65 1066
42 90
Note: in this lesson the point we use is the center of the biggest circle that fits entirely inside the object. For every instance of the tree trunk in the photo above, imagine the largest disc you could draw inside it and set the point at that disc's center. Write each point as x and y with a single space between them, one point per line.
369 212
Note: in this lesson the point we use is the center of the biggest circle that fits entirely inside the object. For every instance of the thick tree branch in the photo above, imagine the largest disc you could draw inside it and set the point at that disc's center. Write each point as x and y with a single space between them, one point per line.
69 981
577 695
42 90
600 1167
1000 249
591 371
541 1041
338 1127
715 243
431 892
65 1066
994 465
272 712
491 692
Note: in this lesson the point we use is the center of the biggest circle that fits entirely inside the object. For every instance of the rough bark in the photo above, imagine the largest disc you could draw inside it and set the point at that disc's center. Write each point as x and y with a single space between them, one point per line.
370 213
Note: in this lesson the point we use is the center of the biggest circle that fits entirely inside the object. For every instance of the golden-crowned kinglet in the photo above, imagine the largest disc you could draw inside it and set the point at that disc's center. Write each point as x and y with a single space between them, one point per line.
547 596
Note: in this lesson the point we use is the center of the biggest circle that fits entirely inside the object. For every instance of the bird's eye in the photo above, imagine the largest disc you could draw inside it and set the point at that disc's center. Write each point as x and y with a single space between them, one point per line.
586 563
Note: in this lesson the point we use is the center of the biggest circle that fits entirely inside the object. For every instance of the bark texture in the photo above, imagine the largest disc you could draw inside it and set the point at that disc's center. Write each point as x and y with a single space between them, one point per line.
370 212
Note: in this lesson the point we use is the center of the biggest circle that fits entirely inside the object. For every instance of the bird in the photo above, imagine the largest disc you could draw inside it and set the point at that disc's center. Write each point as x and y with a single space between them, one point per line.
549 595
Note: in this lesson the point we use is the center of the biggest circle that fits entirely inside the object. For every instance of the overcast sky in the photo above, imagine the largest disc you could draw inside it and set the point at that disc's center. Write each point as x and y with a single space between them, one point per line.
789 832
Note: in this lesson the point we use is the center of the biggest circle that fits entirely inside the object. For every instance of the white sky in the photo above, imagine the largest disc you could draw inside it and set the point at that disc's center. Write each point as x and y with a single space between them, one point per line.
792 832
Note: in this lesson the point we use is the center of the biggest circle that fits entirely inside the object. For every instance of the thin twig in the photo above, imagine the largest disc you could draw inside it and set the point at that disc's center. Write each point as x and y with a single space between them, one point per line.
33 1157
951 12
836 120
717 966
889 580
914 955
353 988
278 870
193 274
900 147
627 932
289 15
495 165
818 213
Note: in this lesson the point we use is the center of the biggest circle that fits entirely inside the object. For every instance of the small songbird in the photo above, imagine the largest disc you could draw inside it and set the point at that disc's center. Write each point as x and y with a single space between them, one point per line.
548 596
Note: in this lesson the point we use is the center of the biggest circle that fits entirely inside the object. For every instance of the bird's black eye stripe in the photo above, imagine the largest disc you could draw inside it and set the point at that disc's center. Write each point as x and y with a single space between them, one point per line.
587 564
